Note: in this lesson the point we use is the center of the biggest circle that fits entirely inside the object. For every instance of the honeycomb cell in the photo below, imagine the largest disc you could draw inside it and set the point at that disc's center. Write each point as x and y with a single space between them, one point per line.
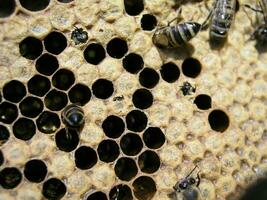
121 192
34 6
35 171
65 1
144 188
24 128
30 48
14 91
136 120
97 196
1 158
170 72
131 144
148 78
153 137
125 169
149 162
203 102
148 22
67 140
63 79
4 134
38 85
55 42
117 48
7 8
113 126
47 64
108 151
56 100
133 7
142 98
31 107
133 63
10 177
54 189
8 112
102 88
218 120
0 97
80 94
94 53
85 157
48 122
191 67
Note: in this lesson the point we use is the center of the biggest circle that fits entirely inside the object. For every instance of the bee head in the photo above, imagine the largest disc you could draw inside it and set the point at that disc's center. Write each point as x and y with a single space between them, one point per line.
261 34
183 185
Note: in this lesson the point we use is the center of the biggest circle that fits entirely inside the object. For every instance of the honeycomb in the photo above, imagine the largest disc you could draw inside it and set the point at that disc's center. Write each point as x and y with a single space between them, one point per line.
151 115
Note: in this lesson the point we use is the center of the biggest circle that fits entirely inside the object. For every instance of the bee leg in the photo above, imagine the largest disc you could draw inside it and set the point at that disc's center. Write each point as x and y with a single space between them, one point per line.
251 8
205 24
198 179
178 18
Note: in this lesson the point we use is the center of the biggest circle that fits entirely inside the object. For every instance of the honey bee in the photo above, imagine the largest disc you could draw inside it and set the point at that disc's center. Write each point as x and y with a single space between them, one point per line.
187 88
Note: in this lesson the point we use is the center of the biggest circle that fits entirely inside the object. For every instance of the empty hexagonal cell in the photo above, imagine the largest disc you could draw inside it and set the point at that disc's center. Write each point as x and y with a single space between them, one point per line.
153 137
148 78
113 126
4 134
133 63
56 100
121 192
7 8
34 6
39 85
30 48
108 151
35 170
203 102
136 120
55 42
47 64
67 139
85 157
102 88
170 72
191 67
133 7
142 98
24 128
144 188
97 196
131 144
117 48
94 53
8 112
149 162
1 157
48 122
10 177
63 79
125 168
54 188
80 94
14 91
218 120
148 22
31 107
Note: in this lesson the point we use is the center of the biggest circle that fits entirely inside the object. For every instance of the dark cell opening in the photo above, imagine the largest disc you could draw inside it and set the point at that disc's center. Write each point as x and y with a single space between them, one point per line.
48 122
144 188
113 126
102 88
133 7
80 94
148 78
35 170
1 158
131 144
142 98
10 177
203 102
191 67
218 120
30 48
56 100
117 48
24 129
97 196
14 91
149 162
38 85
7 7
55 42
4 134
8 112
170 72
125 169
108 151
46 64
31 107
63 79
94 53
54 189
65 1
237 6
67 140
133 63
121 192
85 157
136 120
36 5
148 22
0 97
153 137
